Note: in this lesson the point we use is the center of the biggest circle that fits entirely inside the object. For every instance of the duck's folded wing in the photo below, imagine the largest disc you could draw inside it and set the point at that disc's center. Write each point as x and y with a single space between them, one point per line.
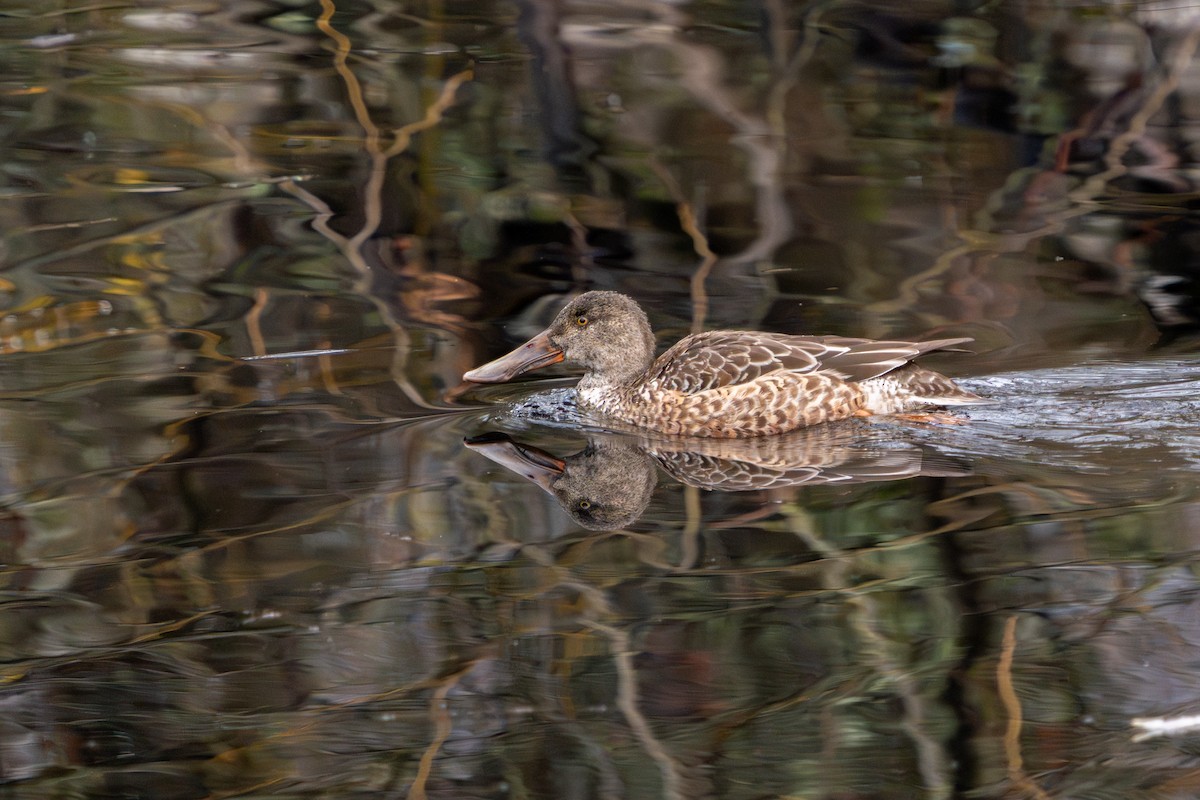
712 360
862 359
725 358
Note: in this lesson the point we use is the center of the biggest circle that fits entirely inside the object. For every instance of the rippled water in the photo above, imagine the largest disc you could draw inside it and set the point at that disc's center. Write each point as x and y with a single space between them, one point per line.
258 540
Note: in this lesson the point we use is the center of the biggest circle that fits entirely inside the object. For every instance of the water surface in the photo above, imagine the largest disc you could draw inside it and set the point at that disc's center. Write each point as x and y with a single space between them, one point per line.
248 250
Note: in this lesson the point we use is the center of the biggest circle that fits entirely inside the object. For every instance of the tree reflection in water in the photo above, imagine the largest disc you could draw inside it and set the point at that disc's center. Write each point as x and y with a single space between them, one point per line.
246 253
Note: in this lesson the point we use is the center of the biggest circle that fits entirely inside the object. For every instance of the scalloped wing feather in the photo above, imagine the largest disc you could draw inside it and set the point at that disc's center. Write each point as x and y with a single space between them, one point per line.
717 359
858 360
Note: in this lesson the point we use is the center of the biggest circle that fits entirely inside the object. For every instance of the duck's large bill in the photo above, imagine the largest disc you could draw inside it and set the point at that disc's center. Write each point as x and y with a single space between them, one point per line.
529 462
538 352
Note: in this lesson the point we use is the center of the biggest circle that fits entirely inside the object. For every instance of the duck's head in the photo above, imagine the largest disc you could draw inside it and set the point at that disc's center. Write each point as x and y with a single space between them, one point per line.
606 333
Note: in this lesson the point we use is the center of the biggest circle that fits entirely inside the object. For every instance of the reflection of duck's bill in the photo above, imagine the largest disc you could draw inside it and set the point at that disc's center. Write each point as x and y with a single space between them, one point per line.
529 462
538 352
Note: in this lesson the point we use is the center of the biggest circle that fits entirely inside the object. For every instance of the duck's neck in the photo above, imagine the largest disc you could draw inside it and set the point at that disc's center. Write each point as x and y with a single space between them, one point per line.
618 373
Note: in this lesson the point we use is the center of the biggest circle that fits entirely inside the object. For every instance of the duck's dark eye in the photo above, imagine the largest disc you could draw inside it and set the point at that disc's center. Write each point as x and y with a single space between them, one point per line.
582 321
583 505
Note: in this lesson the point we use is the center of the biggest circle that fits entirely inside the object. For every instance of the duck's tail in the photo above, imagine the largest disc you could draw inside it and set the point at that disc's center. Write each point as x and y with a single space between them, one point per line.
912 388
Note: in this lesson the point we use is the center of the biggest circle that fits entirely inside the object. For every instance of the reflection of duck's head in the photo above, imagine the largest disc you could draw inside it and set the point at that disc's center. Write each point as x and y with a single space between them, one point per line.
605 486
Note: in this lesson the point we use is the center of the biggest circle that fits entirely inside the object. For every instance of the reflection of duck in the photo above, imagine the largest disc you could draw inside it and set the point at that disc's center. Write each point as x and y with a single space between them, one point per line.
725 383
608 484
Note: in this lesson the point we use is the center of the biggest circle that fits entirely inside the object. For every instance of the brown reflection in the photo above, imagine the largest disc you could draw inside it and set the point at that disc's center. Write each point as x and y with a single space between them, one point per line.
241 247
608 484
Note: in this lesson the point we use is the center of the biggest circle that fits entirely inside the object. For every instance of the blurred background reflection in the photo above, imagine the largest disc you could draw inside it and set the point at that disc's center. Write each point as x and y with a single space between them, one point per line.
247 250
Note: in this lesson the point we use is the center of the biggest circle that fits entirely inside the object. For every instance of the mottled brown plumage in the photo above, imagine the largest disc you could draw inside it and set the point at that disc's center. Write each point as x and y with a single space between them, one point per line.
726 383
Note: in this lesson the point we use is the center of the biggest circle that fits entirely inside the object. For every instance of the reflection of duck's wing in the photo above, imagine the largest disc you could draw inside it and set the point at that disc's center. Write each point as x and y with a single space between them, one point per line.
824 454
605 486
709 472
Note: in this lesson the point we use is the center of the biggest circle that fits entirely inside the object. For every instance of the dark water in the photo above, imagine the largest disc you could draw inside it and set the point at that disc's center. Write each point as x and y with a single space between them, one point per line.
248 250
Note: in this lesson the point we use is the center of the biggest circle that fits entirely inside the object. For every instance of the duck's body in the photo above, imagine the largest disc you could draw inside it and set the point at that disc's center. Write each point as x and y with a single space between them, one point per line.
726 383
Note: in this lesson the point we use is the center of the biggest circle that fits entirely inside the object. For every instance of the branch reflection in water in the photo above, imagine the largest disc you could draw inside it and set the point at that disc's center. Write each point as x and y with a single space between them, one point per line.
608 484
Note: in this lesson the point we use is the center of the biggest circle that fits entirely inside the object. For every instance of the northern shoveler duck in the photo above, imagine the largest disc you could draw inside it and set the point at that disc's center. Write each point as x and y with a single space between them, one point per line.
725 383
